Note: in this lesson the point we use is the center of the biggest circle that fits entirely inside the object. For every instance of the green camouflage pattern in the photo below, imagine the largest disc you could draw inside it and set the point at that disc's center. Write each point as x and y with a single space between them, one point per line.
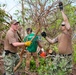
10 62
62 63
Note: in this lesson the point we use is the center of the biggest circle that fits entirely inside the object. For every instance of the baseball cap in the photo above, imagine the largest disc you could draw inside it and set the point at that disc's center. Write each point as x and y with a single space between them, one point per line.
14 22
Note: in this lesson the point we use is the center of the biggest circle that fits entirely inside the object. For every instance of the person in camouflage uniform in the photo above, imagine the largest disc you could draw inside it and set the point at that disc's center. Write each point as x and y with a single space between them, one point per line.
62 60
10 48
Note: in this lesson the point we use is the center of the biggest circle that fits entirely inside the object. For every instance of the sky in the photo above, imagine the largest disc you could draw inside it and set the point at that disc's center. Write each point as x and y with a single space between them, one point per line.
13 5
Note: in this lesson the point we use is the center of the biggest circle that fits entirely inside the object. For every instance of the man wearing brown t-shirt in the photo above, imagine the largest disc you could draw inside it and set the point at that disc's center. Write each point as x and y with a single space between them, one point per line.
64 43
10 48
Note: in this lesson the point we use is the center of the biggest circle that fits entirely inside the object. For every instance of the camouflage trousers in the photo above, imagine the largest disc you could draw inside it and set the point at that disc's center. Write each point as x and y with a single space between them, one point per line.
28 59
10 62
62 63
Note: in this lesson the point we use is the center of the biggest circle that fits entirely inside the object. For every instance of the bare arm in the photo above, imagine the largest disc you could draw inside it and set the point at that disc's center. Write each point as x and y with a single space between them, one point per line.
65 20
27 43
50 40
18 44
39 44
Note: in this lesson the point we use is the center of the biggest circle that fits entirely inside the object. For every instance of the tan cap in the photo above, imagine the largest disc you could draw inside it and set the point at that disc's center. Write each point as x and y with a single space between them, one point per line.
14 22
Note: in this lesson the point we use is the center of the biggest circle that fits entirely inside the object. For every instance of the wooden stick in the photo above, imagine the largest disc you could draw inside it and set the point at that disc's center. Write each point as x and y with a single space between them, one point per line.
21 54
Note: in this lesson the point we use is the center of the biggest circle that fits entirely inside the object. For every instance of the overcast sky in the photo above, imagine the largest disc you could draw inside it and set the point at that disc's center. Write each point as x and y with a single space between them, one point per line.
13 5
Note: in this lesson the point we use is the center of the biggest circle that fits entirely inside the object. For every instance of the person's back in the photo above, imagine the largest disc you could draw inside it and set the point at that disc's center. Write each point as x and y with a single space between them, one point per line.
32 49
34 44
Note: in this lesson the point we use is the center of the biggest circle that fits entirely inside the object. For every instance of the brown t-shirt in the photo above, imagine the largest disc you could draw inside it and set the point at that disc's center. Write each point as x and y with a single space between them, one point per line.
64 42
10 38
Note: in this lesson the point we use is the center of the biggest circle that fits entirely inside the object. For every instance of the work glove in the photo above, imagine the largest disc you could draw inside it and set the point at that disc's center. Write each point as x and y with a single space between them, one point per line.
60 5
27 43
42 49
43 34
